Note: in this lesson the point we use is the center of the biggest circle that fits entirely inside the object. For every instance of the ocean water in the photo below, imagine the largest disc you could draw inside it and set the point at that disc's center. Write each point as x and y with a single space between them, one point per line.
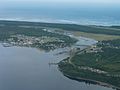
90 15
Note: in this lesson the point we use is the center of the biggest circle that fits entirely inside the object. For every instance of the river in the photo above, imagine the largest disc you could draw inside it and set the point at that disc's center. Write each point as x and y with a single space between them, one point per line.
23 68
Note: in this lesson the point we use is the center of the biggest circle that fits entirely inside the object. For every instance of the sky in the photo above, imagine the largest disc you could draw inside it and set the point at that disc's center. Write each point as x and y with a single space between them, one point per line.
2 2
93 1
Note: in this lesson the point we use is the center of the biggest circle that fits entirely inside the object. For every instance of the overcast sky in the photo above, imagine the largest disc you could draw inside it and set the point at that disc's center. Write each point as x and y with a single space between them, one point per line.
106 1
14 4
62 1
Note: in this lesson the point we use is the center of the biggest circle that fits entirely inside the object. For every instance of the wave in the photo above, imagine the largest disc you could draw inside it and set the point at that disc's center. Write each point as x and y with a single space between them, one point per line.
66 21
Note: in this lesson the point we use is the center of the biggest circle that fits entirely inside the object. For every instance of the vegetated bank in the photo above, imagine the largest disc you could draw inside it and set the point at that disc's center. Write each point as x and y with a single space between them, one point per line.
98 63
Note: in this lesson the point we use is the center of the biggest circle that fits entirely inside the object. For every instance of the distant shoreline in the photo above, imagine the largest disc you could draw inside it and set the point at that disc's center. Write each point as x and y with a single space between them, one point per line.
42 21
57 22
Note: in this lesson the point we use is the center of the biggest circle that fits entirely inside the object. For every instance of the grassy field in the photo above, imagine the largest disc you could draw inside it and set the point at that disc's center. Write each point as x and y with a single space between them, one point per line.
98 37
69 27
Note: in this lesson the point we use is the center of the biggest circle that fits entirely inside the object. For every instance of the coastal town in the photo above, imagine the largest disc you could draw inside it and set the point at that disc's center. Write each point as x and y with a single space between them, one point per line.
29 41
44 38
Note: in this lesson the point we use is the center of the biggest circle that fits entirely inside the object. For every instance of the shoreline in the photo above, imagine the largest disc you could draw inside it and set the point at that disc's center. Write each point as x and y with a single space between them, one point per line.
48 22
55 22
90 81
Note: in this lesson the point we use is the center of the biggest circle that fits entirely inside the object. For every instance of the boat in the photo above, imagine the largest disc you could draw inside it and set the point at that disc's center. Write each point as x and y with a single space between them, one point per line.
6 45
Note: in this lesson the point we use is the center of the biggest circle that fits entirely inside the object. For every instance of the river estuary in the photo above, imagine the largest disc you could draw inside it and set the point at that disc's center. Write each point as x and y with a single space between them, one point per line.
23 68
